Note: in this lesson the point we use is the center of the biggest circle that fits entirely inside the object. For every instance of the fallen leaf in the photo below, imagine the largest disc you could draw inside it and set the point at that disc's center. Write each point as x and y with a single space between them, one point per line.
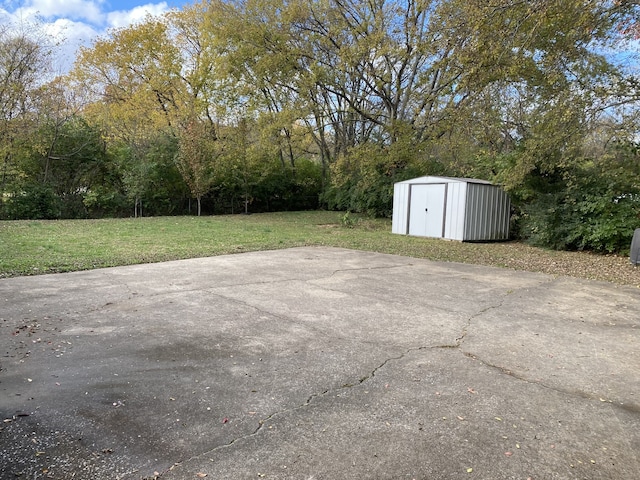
508 454
460 418
471 390
225 420
201 475
469 470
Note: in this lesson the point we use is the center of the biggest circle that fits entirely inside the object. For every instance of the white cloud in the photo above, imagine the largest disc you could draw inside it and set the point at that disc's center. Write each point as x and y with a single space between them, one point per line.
86 10
5 17
71 36
73 23
123 18
69 31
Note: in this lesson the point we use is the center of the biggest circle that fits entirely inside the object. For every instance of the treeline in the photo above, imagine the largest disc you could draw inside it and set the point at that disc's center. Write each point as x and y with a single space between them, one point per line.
258 105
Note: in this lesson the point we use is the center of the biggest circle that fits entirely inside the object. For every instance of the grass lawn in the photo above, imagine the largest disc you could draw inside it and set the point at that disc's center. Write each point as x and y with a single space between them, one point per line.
37 247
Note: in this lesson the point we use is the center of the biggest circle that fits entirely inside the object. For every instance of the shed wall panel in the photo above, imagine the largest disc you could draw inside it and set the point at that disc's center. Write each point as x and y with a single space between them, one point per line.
455 213
487 213
400 219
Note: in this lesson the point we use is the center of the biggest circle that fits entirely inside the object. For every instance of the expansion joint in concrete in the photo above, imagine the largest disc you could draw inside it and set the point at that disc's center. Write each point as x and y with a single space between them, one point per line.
384 267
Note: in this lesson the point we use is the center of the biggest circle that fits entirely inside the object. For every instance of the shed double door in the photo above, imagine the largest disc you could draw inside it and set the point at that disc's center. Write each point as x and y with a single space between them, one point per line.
427 209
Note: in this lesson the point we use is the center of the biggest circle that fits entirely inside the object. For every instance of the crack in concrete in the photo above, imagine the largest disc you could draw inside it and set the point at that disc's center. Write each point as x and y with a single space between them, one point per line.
628 407
460 340
367 377
361 380
633 408
309 401
262 422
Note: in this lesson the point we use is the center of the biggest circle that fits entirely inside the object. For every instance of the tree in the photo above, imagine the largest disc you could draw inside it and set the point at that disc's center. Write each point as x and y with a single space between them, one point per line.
157 78
198 151
359 72
24 63
65 160
135 77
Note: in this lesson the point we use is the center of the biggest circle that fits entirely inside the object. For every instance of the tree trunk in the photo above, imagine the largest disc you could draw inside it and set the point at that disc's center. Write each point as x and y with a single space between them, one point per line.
137 205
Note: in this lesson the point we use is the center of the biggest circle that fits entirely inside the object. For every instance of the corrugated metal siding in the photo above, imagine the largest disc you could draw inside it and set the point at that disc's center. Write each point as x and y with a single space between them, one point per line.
487 213
454 219
400 219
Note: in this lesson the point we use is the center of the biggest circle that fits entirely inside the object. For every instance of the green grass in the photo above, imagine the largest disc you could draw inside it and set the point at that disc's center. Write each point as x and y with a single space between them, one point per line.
37 247
34 247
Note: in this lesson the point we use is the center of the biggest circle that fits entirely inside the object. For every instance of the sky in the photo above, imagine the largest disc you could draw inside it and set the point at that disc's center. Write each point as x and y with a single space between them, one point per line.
76 23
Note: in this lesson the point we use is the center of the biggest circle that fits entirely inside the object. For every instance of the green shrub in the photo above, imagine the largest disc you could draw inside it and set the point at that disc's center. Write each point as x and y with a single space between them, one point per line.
33 202
589 213
103 201
362 181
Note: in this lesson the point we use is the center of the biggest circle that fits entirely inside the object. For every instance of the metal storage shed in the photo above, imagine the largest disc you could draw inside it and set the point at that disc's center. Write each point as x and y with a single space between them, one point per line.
464 209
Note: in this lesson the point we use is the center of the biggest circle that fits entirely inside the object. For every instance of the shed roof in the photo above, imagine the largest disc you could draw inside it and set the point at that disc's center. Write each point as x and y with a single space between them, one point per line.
438 179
